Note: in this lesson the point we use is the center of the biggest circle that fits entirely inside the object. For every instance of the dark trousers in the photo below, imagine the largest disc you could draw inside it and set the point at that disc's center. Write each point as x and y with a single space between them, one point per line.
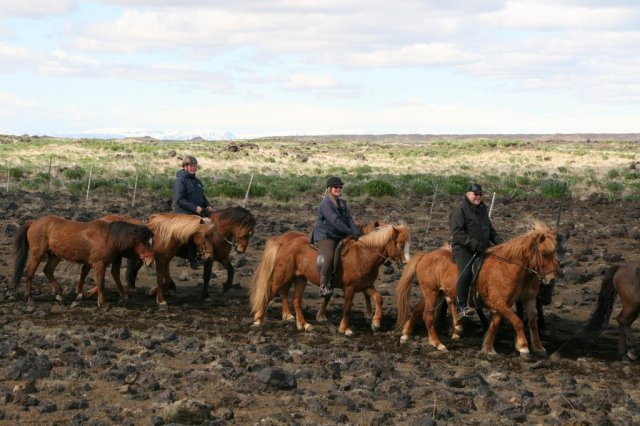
327 248
462 259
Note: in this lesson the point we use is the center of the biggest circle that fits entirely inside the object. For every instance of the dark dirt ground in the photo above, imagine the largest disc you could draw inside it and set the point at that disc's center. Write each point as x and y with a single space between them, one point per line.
201 362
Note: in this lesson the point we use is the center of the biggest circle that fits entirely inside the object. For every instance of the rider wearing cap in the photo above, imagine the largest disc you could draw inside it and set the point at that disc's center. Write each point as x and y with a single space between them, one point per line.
189 198
472 233
333 224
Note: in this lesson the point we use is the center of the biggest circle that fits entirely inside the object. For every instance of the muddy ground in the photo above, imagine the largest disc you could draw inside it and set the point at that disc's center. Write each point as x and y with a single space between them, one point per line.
201 362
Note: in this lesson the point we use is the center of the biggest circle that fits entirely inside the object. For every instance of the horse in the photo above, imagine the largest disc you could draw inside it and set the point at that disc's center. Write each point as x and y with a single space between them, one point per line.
295 261
321 314
623 280
512 271
233 229
93 244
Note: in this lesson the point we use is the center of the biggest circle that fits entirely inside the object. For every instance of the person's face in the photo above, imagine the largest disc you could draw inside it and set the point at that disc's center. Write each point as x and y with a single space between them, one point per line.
191 168
336 190
474 197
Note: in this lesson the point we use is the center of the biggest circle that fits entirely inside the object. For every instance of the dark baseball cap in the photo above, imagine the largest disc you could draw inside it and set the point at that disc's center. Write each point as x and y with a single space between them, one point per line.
476 188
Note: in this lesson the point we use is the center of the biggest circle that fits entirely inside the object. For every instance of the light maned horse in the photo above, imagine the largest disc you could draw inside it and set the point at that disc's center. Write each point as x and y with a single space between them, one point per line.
625 281
93 244
512 271
294 261
172 231
233 229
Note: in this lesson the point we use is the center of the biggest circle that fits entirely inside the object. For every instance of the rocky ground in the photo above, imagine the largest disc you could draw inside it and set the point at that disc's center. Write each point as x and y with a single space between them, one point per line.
201 362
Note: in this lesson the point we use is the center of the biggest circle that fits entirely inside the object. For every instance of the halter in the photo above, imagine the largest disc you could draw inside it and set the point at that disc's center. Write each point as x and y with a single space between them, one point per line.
202 248
539 274
395 259
142 253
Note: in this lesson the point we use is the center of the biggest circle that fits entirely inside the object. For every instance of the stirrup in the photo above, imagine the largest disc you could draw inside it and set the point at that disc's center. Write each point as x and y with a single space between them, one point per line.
466 311
326 291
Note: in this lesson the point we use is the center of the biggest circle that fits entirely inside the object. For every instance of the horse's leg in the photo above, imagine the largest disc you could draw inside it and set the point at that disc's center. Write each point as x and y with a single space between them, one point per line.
430 302
33 261
543 330
521 340
230 272
298 291
284 301
49 267
456 324
377 317
346 311
625 318
83 276
100 269
133 266
162 272
407 329
490 334
368 312
321 316
115 273
532 316
206 277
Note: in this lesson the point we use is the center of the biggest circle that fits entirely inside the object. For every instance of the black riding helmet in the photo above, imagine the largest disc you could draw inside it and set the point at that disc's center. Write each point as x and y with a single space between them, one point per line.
189 159
334 181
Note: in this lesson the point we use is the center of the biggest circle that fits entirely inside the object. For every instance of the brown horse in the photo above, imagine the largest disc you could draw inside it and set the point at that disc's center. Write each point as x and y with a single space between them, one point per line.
295 261
511 272
625 281
93 244
233 229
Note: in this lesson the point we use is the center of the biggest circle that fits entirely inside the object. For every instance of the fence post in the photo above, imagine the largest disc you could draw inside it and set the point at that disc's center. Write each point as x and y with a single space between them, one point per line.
49 174
8 174
135 187
89 183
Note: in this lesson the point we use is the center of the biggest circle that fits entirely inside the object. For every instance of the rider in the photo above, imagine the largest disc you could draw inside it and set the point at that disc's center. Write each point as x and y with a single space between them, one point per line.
333 224
472 233
189 198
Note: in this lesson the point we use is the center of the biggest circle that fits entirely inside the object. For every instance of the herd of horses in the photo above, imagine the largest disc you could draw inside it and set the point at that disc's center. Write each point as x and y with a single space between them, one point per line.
514 272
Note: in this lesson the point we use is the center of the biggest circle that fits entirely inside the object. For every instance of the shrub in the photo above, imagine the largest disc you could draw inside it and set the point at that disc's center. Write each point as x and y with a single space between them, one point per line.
75 172
379 188
552 188
226 188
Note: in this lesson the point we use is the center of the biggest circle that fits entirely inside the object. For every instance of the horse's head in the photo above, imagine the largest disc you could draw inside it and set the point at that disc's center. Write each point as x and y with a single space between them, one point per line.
144 248
203 239
545 257
237 224
398 247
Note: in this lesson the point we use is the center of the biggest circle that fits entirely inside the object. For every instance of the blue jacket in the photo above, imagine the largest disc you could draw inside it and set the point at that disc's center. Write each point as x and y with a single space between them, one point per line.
188 193
334 221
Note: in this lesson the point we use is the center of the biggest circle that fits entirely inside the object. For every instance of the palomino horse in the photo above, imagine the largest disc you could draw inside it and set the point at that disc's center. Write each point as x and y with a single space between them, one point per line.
625 281
93 244
233 230
511 272
295 261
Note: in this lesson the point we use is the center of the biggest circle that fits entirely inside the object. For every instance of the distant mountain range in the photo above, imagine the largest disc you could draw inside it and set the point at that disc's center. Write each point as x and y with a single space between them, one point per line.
159 135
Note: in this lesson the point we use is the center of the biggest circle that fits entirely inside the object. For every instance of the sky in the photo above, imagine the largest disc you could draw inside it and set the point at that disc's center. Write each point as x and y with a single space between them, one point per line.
176 69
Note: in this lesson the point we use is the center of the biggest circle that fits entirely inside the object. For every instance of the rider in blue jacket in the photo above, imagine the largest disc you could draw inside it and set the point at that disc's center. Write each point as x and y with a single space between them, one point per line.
333 224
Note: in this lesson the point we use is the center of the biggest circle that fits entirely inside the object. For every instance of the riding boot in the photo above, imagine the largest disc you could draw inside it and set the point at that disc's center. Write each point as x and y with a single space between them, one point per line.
325 287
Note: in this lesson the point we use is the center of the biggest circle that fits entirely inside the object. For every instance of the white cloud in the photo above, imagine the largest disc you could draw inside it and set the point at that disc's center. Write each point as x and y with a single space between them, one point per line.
298 81
35 8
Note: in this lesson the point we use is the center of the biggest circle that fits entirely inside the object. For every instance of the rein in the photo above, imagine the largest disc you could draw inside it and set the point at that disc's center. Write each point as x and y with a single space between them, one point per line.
395 259
539 274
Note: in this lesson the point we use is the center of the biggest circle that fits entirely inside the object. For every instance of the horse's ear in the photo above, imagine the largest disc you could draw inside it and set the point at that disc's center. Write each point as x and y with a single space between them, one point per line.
376 224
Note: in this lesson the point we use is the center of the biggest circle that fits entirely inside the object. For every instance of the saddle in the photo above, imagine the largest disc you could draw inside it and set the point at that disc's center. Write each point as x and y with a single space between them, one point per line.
475 268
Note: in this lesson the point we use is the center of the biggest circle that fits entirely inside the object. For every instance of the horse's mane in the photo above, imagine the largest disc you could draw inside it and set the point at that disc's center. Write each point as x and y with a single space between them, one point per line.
521 245
168 226
378 237
236 214
125 234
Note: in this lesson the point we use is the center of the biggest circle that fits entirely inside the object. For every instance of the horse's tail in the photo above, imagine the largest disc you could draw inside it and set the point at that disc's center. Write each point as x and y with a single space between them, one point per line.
601 315
260 290
403 290
21 250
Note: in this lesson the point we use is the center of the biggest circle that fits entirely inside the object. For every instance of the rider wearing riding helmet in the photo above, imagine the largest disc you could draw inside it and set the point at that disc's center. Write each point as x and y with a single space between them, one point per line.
189 198
333 224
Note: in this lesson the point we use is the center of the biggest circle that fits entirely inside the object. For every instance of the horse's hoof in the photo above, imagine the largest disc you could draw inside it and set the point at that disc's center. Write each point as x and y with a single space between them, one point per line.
321 318
75 304
632 354
459 328
375 326
524 353
153 291
163 306
288 317
442 348
305 327
79 296
404 339
59 298
455 336
256 323
348 332
490 352
540 354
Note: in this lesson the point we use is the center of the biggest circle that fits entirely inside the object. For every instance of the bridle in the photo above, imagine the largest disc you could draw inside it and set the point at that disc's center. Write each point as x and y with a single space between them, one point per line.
540 274
202 247
142 253
396 259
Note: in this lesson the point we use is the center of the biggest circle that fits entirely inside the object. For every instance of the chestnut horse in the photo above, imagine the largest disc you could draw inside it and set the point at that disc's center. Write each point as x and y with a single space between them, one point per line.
625 281
233 229
290 258
512 271
93 244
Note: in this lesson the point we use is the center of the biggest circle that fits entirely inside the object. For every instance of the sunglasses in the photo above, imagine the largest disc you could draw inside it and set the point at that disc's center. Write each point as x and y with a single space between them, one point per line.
337 186
478 194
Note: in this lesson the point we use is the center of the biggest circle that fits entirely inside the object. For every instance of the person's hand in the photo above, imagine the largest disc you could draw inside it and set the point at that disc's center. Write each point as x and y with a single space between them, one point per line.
356 236
198 210
210 209
481 247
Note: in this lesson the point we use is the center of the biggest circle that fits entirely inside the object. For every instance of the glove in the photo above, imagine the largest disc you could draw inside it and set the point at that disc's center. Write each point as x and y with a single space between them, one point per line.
356 236
481 247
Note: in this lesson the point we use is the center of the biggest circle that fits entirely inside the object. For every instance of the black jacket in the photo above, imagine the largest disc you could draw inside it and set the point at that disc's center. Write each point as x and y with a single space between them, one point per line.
188 193
471 227
334 221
